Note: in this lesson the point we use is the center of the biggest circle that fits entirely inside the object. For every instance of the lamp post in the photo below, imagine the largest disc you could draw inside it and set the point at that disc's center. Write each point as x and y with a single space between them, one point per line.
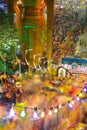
18 57
28 63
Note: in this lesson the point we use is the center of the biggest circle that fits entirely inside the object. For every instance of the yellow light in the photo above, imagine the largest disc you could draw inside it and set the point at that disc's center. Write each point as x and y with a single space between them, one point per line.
73 102
62 90
80 94
81 128
50 112
60 106
19 2
42 114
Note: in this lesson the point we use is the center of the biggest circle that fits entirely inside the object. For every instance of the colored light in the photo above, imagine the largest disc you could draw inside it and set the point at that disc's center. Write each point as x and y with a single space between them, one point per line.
62 90
35 115
73 102
42 114
23 114
77 98
85 89
12 113
60 106
70 105
55 110
80 94
50 113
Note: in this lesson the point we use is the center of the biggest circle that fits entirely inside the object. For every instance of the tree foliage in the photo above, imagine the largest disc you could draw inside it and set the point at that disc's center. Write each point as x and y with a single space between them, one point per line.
8 38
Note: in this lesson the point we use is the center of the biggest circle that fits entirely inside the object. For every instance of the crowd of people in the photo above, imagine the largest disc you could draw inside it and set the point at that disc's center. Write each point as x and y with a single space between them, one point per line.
11 88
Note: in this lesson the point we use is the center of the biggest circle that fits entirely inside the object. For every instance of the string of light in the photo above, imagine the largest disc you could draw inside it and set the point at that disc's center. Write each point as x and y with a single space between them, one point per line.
51 110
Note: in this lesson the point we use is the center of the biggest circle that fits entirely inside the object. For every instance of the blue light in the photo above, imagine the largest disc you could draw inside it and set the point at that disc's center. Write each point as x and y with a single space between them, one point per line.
70 105
78 98
85 89
12 113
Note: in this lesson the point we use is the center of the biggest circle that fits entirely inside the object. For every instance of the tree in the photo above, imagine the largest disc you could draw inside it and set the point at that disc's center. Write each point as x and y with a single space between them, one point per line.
8 38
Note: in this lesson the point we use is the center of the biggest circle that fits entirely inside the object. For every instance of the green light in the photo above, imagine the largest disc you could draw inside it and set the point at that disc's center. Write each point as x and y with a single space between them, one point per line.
23 114
29 34
30 26
30 2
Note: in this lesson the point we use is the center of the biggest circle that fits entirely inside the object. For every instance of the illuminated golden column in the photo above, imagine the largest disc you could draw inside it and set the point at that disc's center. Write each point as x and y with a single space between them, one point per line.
33 22
19 8
50 12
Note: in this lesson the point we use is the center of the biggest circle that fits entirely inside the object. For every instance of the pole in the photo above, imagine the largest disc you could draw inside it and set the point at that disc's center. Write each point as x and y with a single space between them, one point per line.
20 67
34 63
28 63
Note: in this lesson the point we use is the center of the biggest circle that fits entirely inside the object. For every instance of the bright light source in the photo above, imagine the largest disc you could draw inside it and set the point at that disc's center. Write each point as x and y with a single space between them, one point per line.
42 114
12 113
73 102
77 98
70 105
60 106
35 115
23 114
85 89
19 2
18 46
80 94
50 113
55 110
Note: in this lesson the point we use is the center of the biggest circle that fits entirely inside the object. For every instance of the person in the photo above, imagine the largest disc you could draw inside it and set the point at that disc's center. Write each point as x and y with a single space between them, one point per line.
19 92
12 81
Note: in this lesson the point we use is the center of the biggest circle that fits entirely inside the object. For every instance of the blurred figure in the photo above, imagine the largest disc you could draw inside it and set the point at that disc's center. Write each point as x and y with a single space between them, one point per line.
19 92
